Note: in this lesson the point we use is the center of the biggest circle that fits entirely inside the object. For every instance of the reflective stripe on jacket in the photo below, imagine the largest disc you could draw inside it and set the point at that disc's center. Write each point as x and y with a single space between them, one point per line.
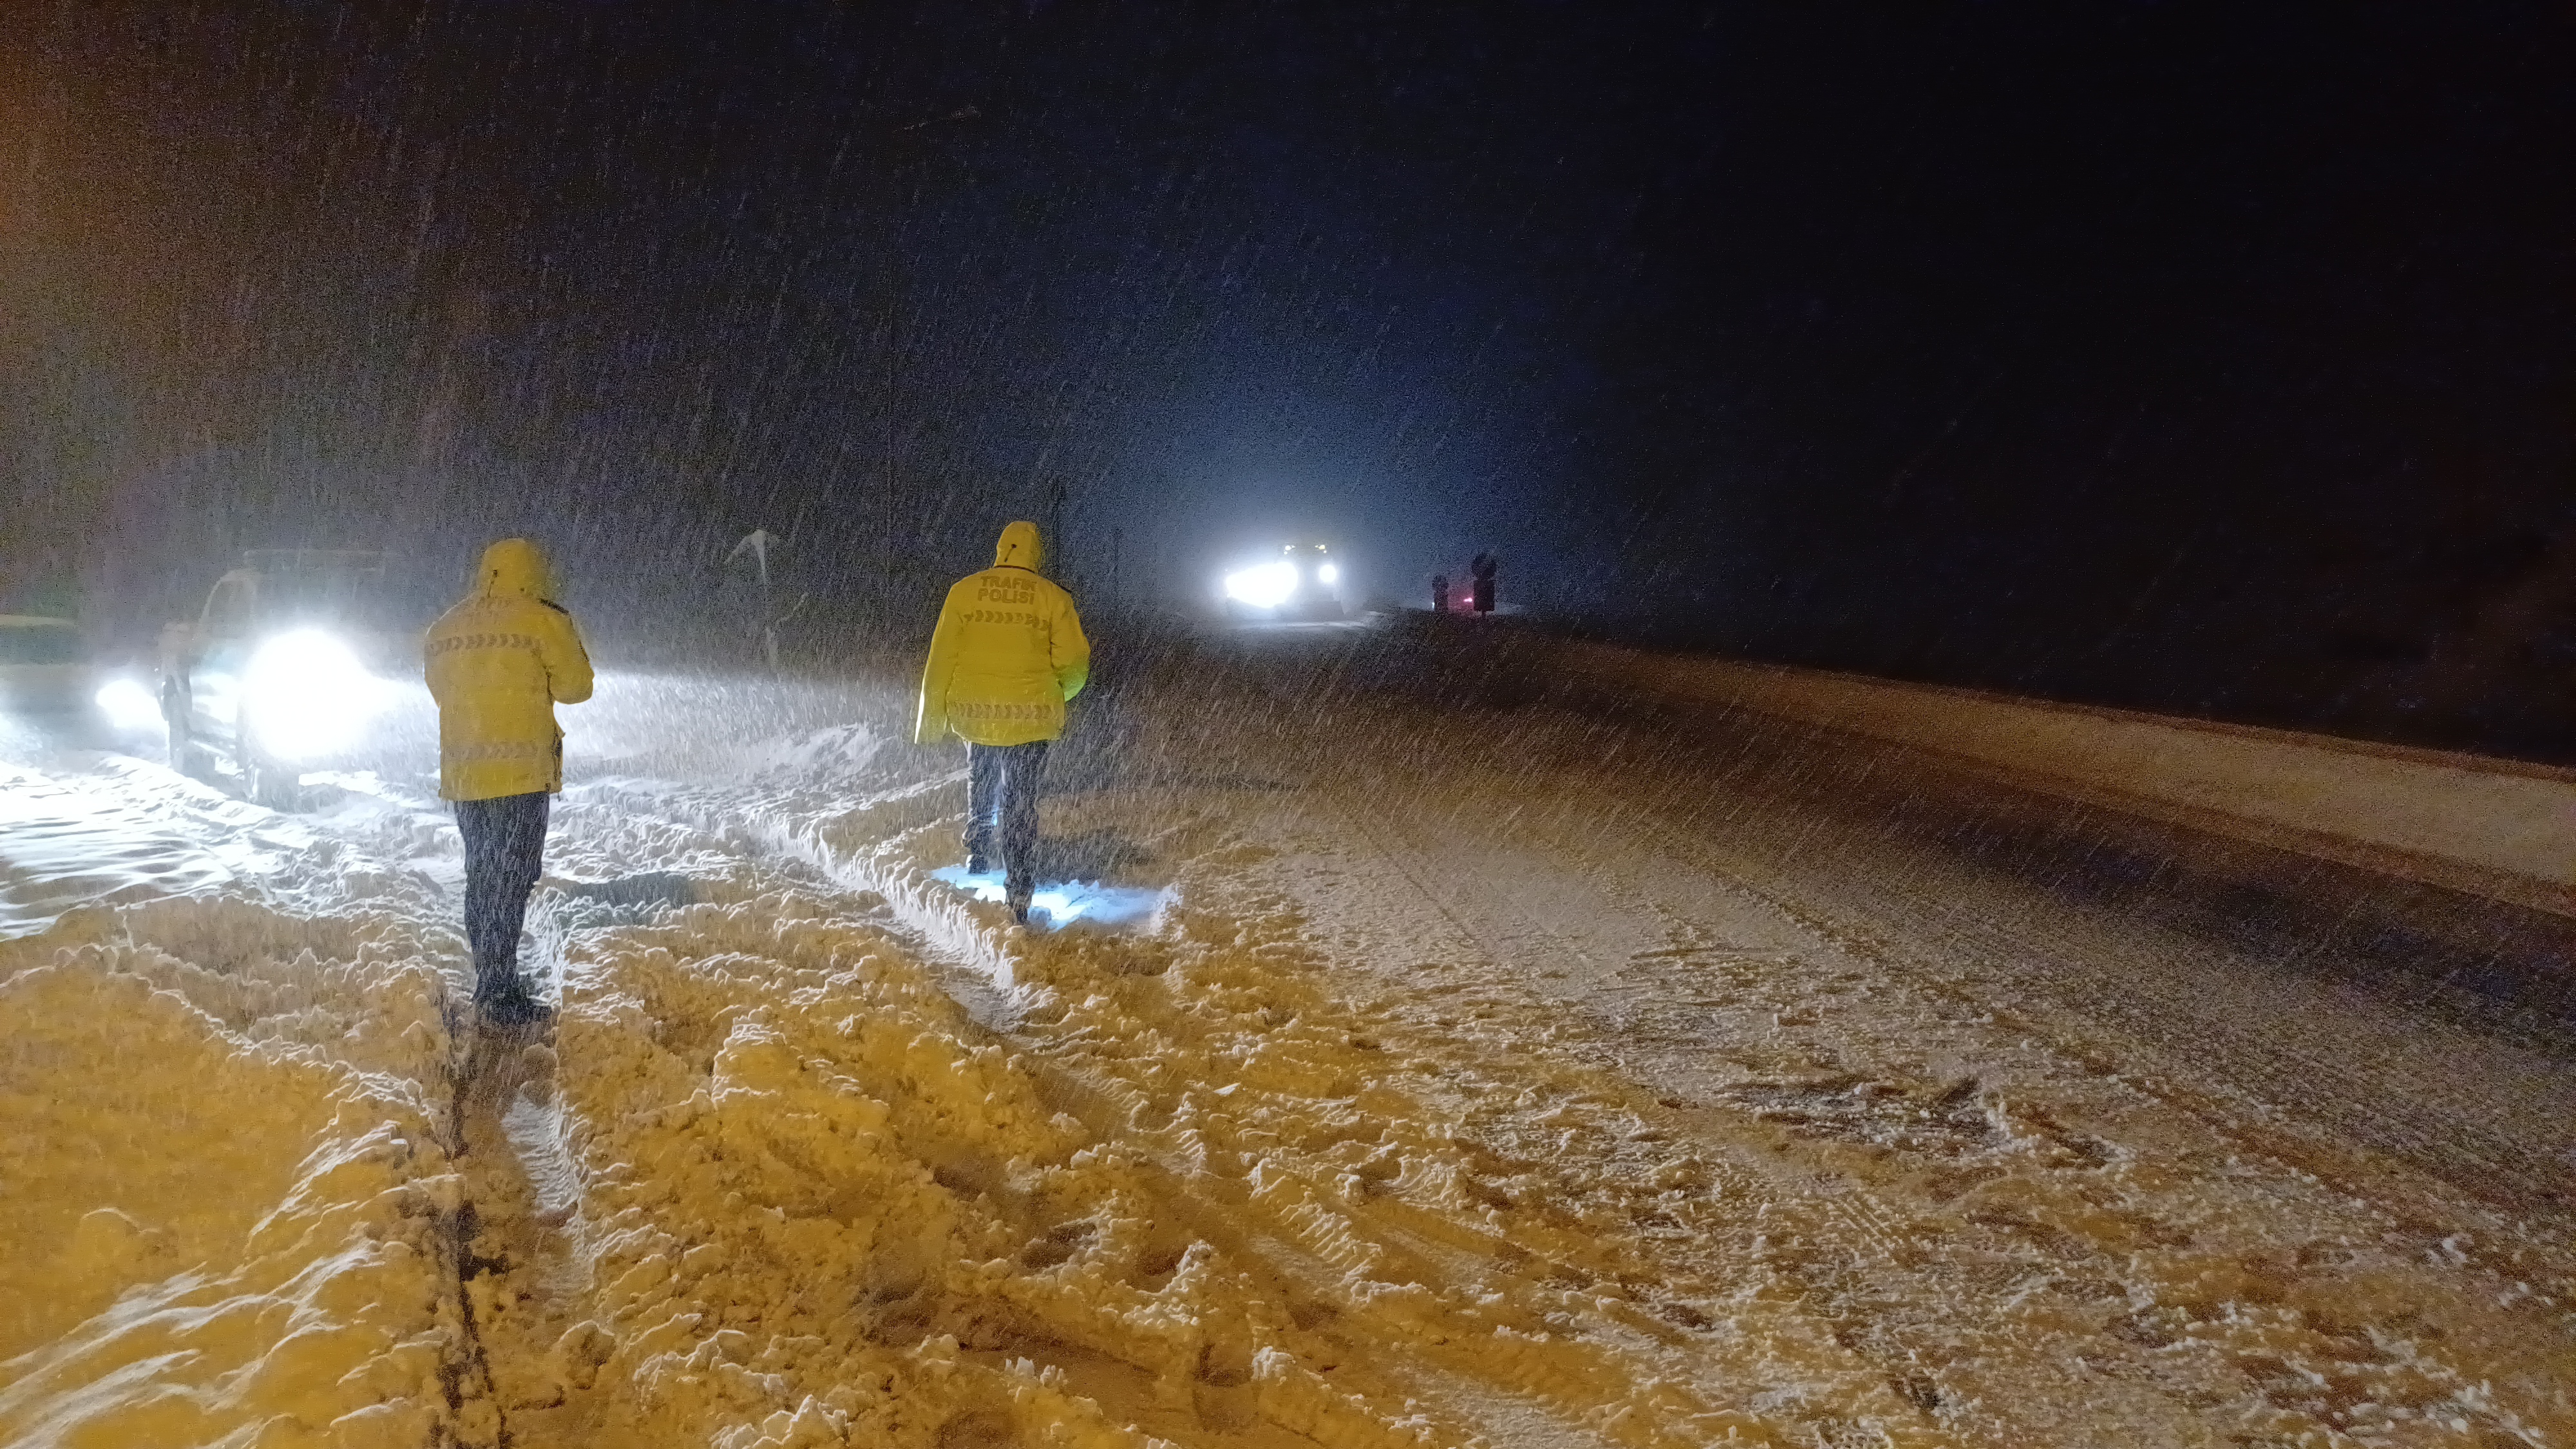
1007 654
499 662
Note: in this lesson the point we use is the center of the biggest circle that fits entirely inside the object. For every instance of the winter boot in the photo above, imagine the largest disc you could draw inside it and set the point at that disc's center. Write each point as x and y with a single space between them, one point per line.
512 1006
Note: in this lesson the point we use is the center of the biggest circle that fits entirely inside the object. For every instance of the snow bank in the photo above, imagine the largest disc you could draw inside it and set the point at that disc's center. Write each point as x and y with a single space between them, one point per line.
2498 828
226 1204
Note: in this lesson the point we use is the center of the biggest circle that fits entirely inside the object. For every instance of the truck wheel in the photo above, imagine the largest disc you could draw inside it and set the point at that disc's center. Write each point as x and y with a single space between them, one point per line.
266 782
183 745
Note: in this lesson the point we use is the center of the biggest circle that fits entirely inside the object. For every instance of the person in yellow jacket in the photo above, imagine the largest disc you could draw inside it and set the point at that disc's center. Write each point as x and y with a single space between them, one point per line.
499 662
1006 656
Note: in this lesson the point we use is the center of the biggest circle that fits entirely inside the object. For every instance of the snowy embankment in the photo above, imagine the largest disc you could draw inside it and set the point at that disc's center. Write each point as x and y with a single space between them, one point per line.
2497 828
229 1208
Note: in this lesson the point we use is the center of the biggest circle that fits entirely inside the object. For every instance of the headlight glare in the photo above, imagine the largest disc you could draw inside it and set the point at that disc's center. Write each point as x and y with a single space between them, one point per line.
1262 586
306 694
128 705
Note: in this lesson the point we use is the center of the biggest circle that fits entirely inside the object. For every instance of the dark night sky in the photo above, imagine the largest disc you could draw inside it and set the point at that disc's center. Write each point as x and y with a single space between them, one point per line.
2205 357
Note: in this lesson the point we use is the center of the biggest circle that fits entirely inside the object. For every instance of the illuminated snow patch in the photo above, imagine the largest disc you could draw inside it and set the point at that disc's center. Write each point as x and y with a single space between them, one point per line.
1064 902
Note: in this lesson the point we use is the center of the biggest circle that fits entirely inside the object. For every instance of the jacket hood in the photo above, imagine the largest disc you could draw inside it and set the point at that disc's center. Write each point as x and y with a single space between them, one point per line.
514 567
1019 546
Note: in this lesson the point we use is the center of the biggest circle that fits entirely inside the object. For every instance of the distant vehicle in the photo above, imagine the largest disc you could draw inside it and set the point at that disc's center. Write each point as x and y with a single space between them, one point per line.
1303 581
45 667
287 666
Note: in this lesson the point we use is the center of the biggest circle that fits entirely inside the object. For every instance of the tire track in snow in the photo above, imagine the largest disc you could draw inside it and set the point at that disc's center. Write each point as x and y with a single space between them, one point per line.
1922 932
1447 885
2269 1103
1783 800
1175 1201
1901 896
1213 1160
1799 831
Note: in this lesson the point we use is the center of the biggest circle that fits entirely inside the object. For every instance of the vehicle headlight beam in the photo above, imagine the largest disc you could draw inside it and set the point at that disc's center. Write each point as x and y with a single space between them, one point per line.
1262 586
306 694
127 705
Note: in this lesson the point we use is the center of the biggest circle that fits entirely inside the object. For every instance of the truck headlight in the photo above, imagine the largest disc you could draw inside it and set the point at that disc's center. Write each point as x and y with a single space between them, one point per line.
306 694
1262 586
129 707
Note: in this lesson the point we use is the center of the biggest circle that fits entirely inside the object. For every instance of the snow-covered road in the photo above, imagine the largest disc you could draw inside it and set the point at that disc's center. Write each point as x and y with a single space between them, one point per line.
1425 1066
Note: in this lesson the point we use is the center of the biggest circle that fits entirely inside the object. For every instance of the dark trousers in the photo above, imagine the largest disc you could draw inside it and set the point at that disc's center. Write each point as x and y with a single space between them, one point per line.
1002 781
505 848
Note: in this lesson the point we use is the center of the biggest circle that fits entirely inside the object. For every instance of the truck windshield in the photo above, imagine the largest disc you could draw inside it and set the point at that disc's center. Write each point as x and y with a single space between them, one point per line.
299 598
336 589
228 612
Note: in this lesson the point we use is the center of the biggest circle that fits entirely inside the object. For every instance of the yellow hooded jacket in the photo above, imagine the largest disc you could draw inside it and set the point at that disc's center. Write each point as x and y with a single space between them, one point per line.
499 662
1007 654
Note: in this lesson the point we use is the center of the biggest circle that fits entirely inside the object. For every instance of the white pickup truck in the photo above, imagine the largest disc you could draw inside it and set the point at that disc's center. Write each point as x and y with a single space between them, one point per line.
287 668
